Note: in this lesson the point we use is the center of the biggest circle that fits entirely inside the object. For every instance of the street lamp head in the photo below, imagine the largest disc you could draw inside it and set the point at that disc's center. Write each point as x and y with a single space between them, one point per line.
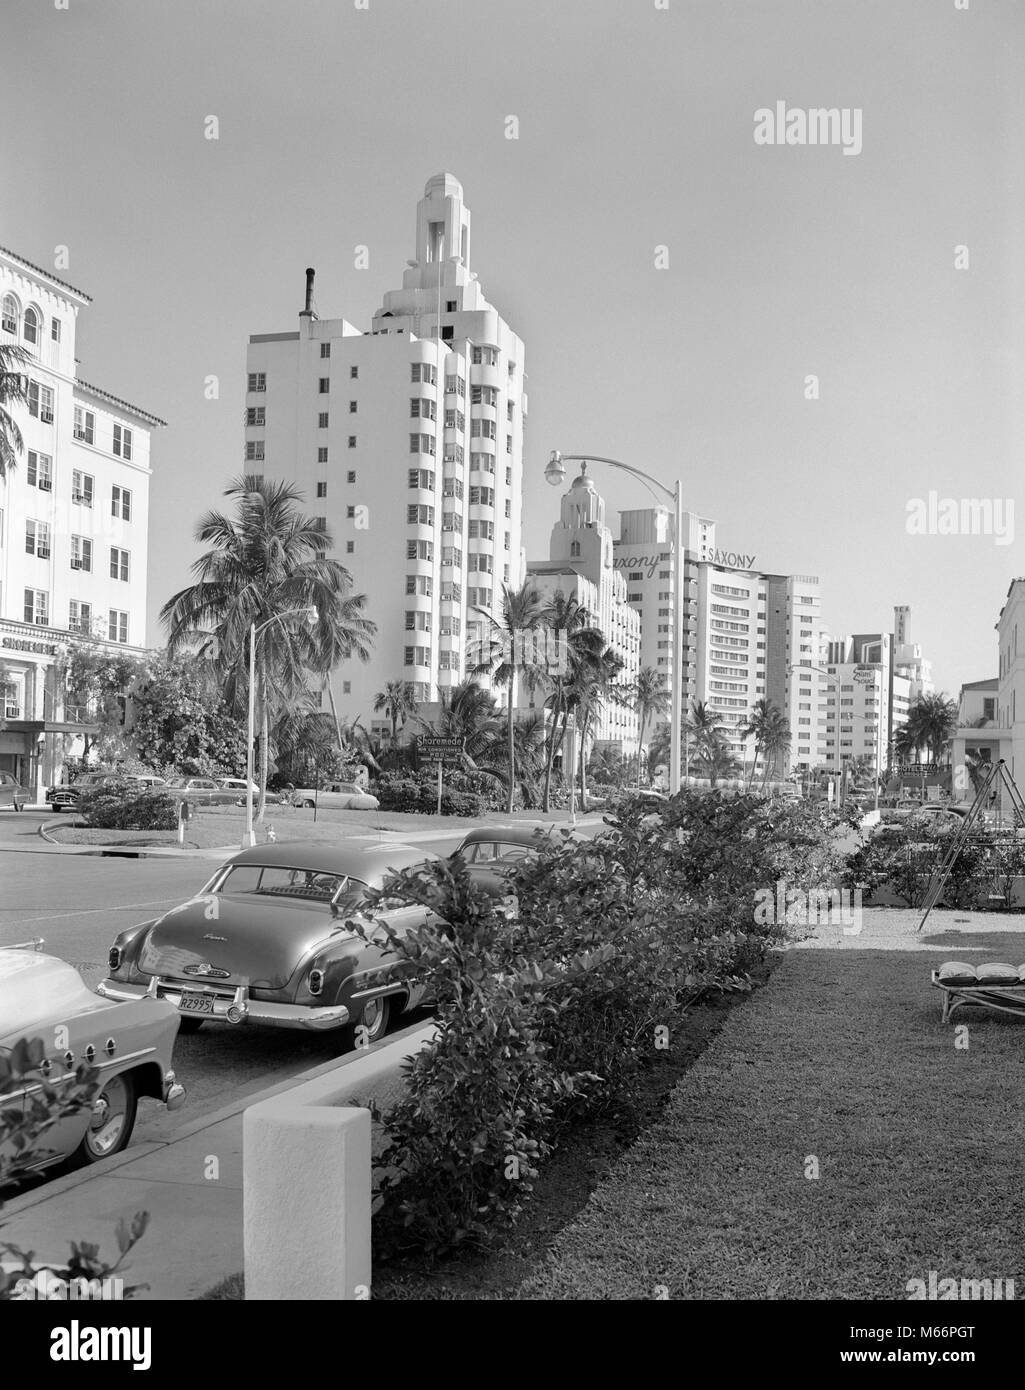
556 471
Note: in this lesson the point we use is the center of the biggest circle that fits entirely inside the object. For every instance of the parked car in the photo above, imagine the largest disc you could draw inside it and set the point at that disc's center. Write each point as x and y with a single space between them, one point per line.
236 786
66 798
492 853
266 942
336 796
12 793
130 1045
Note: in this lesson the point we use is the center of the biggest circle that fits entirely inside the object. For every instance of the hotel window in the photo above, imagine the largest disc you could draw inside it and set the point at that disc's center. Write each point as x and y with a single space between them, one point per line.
505 544
508 410
574 549
350 513
352 441
322 489
118 564
419 550
37 539
422 408
324 385
353 373
452 521
350 547
421 444
39 471
482 496
508 482
322 419
30 329
254 449
117 625
508 443
322 455
122 442
635 578
454 420
418 514
80 616
424 372
454 453
82 485
353 405
350 476
82 553
450 592
325 349
483 429
421 478
484 356
455 385
452 487
37 607
255 415
9 318
346 687
121 503
257 381
40 404
451 555
484 463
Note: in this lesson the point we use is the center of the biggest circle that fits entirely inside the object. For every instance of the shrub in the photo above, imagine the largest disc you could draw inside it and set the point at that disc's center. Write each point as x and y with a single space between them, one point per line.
904 859
418 792
122 806
547 1017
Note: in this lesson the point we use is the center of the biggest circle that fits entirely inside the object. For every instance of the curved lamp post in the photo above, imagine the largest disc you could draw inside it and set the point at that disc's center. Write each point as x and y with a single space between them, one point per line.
310 614
556 475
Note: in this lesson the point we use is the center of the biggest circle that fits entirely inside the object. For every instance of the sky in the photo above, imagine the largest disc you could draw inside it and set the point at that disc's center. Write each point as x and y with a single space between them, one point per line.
636 131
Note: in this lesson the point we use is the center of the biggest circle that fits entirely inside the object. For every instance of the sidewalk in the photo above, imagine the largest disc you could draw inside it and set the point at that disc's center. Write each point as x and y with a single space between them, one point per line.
191 1186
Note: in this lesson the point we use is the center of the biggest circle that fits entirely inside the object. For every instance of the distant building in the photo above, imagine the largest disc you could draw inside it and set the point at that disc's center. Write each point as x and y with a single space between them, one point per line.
408 441
1002 732
581 567
74 516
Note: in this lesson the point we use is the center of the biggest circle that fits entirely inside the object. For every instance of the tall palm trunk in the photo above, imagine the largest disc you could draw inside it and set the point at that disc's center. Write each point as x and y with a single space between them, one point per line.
550 760
512 741
640 748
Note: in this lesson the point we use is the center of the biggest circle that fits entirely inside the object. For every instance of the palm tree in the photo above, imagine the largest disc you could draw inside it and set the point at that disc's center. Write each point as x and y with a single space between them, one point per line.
650 699
569 618
936 716
468 712
13 391
501 654
716 759
758 724
776 739
398 701
591 687
262 562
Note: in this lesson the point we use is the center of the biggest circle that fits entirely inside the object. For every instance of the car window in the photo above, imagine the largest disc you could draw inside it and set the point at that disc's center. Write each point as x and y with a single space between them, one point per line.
508 854
279 880
348 789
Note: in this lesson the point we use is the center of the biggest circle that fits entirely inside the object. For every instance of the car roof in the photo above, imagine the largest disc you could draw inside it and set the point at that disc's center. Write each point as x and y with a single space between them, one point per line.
506 834
362 861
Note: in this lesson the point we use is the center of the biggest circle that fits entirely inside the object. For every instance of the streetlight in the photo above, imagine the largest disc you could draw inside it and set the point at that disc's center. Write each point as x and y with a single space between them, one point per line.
311 615
878 718
556 474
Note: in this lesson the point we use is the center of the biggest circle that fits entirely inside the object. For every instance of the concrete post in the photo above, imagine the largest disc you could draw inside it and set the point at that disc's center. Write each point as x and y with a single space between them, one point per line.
306 1201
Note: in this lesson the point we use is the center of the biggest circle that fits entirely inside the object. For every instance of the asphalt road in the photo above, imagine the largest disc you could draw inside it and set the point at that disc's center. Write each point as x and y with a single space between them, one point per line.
78 903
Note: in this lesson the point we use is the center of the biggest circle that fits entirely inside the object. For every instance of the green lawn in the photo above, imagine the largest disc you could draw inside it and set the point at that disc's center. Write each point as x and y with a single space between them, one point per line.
842 1058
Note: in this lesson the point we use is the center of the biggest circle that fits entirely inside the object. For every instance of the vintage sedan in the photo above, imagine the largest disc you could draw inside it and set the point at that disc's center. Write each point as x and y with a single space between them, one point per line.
492 853
12 793
266 942
129 1044
336 796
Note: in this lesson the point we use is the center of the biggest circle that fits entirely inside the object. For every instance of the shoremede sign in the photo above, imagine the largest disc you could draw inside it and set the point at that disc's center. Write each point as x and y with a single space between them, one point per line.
17 644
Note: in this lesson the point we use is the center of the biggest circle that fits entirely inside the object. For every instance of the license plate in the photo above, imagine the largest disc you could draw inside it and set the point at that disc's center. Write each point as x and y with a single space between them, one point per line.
196 1003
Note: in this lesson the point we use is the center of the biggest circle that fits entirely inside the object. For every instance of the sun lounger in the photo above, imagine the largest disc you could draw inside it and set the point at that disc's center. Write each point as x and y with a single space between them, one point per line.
995 985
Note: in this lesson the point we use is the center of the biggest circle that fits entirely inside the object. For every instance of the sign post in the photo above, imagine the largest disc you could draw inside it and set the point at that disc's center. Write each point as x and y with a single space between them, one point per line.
437 749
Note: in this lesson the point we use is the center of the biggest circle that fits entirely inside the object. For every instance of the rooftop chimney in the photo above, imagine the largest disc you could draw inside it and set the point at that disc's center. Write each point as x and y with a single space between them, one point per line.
308 311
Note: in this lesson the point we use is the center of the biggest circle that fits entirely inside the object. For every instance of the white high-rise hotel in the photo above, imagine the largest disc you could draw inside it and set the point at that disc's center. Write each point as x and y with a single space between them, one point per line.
408 441
73 522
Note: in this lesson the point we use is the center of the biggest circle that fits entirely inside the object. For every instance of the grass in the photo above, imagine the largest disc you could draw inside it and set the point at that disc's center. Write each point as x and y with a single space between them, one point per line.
841 1067
215 826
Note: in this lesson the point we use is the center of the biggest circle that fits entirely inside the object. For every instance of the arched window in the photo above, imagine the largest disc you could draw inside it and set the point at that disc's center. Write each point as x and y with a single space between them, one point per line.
9 317
574 548
31 326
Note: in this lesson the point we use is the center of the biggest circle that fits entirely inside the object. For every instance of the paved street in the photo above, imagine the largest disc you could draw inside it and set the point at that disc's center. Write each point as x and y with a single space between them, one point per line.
78 903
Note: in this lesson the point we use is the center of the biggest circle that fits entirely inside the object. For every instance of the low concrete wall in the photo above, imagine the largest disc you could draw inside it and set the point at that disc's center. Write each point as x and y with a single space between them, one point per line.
307 1188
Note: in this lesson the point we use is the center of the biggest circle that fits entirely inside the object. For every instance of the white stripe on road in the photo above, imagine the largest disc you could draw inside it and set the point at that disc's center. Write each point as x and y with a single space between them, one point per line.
88 911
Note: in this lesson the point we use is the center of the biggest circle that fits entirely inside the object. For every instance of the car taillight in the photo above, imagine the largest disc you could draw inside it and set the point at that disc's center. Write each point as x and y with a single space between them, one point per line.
316 981
114 959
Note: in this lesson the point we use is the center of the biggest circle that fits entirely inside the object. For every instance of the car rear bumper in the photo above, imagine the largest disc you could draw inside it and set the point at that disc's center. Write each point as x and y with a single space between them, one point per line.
234 1008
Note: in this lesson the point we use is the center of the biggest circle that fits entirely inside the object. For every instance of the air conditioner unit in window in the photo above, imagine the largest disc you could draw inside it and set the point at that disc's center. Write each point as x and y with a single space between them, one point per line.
76 564
46 416
81 434
45 485
43 553
12 712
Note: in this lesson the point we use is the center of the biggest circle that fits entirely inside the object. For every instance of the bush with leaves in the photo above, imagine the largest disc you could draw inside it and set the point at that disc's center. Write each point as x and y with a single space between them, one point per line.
547 1016
418 792
120 805
902 860
23 1131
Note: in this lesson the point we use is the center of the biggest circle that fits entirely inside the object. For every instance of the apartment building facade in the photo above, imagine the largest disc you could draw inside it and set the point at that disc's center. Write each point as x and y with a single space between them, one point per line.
74 516
407 441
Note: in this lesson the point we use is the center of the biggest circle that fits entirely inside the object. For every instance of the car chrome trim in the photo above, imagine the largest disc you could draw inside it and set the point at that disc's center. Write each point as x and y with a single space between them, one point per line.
246 1009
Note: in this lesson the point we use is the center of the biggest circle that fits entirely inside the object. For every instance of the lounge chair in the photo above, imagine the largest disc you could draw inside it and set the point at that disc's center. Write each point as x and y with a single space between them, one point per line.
995 985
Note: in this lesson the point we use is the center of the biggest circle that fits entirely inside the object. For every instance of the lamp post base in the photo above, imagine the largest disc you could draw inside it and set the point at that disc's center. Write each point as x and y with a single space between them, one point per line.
249 839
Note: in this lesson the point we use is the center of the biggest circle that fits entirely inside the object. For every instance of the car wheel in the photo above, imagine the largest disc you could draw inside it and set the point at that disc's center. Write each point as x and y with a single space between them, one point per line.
374 1020
111 1122
309 805
187 1024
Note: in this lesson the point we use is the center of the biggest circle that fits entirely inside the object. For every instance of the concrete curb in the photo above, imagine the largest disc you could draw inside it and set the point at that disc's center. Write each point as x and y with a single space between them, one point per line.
368 1065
